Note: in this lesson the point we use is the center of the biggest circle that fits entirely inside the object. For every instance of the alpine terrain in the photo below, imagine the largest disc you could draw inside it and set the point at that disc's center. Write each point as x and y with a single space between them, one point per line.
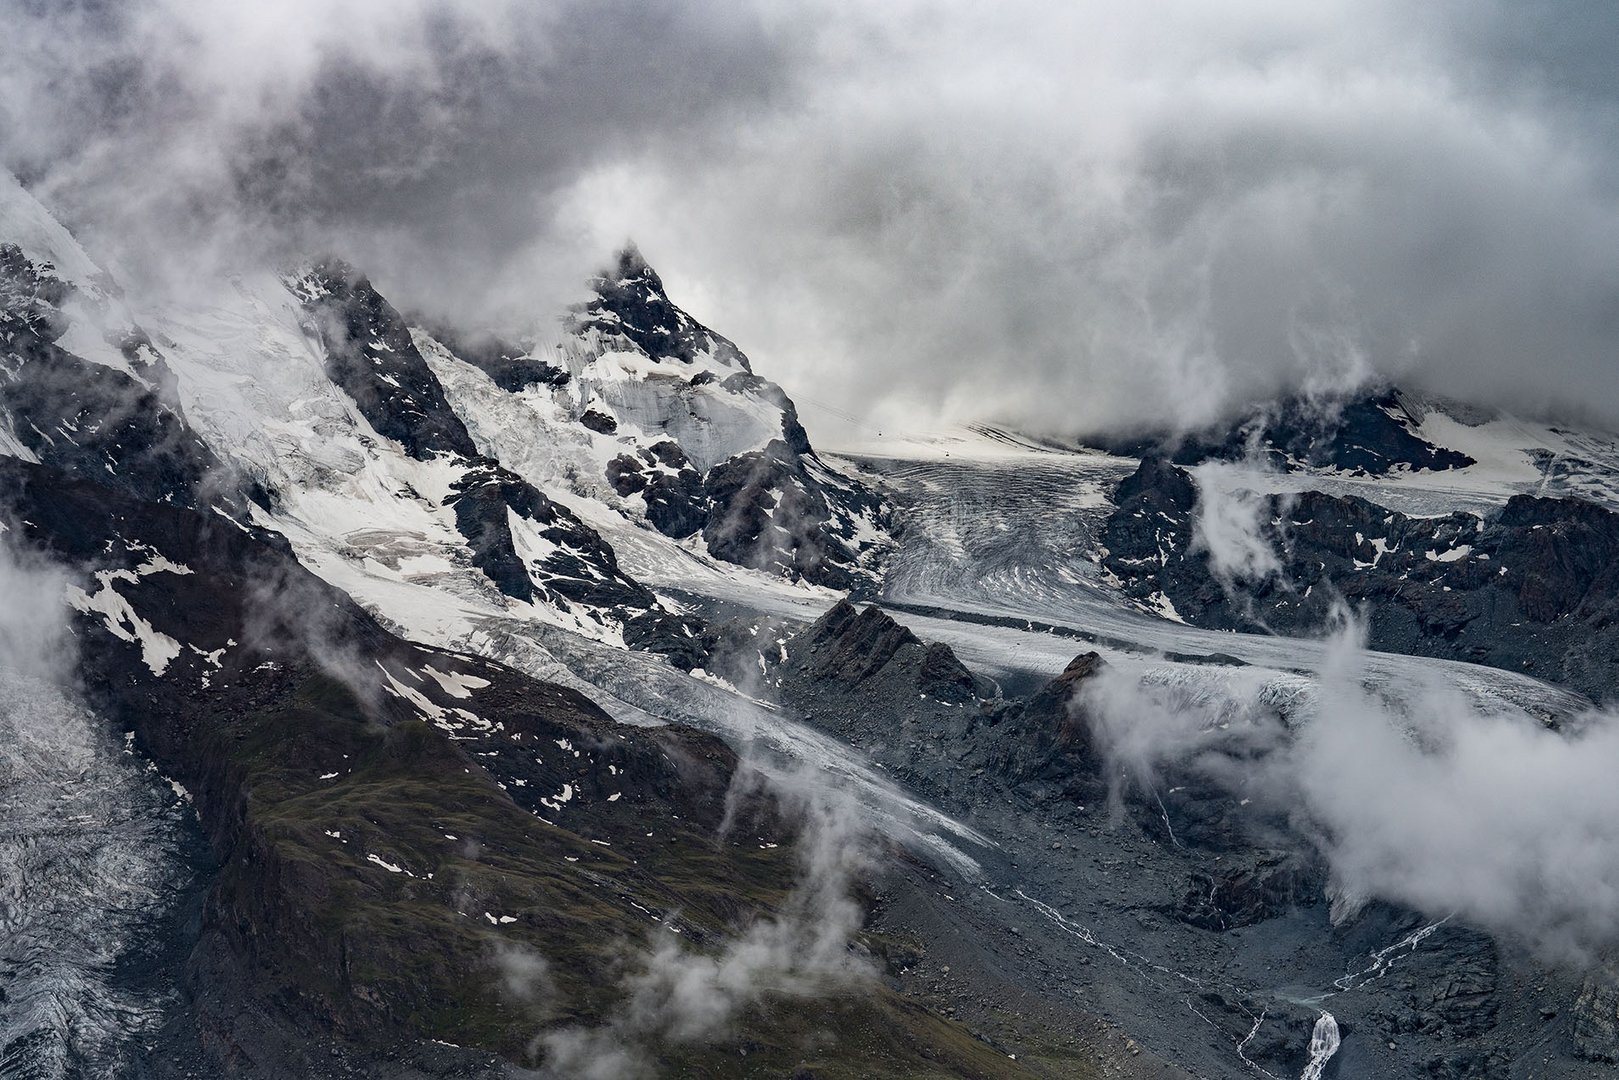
385 696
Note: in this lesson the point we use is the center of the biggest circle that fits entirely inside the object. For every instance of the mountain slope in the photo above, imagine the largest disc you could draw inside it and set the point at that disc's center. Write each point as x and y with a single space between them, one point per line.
511 699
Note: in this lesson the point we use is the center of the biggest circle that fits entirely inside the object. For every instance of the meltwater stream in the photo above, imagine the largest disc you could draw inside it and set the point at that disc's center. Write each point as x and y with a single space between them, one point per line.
92 860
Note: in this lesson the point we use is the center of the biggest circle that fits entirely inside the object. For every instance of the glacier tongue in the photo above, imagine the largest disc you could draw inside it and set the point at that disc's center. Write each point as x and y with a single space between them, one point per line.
91 862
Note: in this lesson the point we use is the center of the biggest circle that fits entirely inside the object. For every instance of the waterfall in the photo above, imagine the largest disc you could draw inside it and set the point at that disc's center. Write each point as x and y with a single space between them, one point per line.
1323 1044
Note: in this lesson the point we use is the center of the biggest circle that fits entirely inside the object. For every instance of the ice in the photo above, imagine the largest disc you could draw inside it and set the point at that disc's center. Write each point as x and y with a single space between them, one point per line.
87 341
93 859
24 222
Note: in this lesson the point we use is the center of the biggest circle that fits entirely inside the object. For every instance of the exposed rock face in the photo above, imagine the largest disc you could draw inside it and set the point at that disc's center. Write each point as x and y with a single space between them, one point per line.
124 427
598 421
575 562
676 504
770 513
853 647
630 300
1046 742
370 354
1370 434
31 296
1249 890
1452 988
1596 1016
1533 589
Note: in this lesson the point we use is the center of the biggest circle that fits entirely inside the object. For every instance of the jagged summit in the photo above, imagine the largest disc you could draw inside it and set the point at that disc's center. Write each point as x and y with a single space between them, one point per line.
642 408
630 302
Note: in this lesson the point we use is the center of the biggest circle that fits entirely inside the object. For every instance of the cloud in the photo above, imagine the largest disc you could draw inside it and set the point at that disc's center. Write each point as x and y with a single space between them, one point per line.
427 141
1072 217
1232 523
1444 806
524 972
34 639
1421 795
677 995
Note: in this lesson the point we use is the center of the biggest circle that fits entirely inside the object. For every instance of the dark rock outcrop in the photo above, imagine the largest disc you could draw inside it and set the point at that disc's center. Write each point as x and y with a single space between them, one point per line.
1044 745
853 647
1596 1016
1535 588
371 356
769 513
630 300
1368 434
580 566
1249 890
672 490
31 297
1451 985
598 421
126 430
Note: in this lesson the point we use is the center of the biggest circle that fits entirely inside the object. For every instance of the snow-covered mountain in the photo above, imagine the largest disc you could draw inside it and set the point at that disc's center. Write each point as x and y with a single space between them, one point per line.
390 460
454 697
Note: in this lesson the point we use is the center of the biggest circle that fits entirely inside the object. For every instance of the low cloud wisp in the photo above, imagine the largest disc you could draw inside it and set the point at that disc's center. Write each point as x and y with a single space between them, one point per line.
680 995
1422 795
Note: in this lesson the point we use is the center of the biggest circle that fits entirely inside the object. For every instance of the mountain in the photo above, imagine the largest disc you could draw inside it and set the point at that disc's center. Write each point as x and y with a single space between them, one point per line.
1529 587
1371 433
393 698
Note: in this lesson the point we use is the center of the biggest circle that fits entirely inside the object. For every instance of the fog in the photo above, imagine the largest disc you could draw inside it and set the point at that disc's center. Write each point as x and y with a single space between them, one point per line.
1419 795
676 994
1074 217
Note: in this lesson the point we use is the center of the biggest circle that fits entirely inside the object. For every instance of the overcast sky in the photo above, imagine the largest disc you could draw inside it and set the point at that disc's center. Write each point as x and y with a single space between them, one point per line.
1070 216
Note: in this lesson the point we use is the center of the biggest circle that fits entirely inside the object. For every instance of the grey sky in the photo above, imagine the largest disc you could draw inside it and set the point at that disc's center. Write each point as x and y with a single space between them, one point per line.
1067 216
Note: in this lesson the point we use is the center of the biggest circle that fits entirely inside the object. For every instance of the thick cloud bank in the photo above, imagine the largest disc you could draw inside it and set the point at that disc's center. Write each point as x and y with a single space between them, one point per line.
1068 216
1429 797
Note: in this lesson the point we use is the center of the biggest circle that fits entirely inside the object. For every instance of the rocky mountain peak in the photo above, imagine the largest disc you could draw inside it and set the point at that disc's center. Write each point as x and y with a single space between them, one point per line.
853 646
630 303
